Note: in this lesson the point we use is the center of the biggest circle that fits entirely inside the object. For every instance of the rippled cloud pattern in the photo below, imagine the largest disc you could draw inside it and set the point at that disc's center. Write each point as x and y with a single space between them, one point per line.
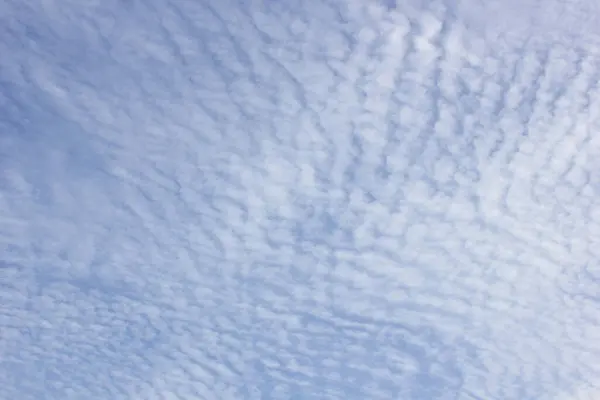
329 199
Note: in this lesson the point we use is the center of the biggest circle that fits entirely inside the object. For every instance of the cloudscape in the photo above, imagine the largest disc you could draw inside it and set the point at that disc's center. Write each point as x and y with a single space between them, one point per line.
325 199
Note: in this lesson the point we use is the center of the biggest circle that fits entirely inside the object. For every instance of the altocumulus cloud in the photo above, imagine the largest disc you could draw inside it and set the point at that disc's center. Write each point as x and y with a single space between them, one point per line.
299 200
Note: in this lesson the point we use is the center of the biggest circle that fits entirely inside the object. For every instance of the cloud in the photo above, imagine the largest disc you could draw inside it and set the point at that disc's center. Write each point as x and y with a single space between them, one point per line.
297 200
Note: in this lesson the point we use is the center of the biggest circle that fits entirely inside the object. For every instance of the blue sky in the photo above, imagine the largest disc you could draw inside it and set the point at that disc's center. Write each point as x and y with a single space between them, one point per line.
333 199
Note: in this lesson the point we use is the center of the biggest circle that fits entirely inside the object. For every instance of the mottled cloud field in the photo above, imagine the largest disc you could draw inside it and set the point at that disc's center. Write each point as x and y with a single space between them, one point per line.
299 200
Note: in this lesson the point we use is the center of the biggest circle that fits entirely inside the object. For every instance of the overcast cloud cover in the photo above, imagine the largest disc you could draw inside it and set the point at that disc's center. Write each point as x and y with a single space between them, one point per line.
320 199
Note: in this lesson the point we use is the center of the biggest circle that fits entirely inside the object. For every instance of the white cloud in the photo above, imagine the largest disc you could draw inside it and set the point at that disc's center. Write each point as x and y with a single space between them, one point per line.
325 200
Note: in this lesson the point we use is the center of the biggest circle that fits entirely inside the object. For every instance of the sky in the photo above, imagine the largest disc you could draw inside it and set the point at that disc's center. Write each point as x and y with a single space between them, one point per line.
324 199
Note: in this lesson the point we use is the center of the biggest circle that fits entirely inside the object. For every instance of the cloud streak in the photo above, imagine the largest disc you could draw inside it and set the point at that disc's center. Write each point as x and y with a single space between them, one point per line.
334 200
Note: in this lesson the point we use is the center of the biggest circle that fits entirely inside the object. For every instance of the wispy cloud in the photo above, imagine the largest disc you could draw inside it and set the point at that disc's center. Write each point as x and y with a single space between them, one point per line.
341 200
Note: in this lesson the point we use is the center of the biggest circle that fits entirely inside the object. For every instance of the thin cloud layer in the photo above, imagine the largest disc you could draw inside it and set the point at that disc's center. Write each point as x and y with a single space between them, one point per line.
337 200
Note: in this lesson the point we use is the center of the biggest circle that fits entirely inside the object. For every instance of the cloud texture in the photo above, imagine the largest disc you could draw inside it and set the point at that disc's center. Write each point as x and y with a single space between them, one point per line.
299 200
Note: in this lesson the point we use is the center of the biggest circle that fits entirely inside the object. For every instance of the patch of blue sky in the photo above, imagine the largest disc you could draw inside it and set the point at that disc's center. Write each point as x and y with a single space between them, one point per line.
289 200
